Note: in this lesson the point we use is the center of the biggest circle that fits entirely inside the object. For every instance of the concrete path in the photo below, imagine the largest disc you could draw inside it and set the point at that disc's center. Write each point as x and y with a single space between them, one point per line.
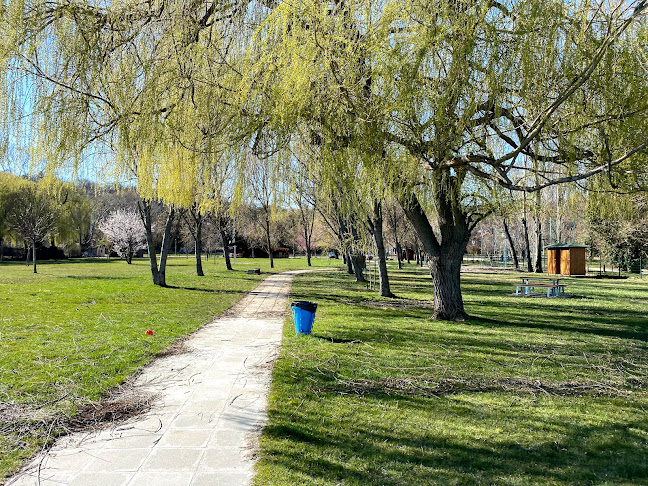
204 425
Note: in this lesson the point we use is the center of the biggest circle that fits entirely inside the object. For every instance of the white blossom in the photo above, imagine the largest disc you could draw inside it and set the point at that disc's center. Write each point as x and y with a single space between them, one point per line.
125 230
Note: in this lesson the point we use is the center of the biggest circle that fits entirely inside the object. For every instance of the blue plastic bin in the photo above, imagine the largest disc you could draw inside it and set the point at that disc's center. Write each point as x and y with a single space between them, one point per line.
304 315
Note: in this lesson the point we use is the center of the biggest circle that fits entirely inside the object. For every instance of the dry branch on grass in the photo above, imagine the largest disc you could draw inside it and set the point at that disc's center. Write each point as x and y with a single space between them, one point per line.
429 387
19 422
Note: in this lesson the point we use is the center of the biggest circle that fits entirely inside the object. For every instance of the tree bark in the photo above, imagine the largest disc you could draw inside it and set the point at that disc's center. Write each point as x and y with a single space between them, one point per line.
171 229
376 228
445 255
511 245
228 261
399 255
527 245
538 262
34 255
308 244
198 246
349 263
145 213
195 228
358 261
268 243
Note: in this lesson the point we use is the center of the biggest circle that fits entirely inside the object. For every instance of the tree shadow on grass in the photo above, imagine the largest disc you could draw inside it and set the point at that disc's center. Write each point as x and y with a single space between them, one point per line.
98 277
415 451
206 290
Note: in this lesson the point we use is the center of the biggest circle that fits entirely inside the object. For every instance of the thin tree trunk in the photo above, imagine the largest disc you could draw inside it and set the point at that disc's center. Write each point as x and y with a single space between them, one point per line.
34 255
376 228
538 262
228 261
171 229
267 231
27 253
306 242
198 245
527 245
1 249
399 255
349 263
358 260
145 213
513 250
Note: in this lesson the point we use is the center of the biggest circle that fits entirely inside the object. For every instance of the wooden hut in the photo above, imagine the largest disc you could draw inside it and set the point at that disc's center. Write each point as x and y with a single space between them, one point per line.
566 259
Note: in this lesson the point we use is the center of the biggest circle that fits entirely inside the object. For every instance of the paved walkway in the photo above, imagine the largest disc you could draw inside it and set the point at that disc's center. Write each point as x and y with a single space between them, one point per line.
203 427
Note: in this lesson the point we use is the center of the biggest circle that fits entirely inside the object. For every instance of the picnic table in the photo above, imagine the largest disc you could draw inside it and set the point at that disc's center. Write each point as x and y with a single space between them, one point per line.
552 285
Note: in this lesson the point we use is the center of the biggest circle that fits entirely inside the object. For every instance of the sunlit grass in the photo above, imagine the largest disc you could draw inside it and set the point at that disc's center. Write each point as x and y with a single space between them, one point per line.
74 330
528 391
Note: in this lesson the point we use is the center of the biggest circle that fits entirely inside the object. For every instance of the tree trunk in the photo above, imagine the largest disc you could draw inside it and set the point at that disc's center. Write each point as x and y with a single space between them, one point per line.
538 262
444 255
446 277
399 255
34 255
527 245
513 250
349 264
228 261
145 213
198 245
27 253
306 242
376 228
358 262
171 229
1 249
267 230
129 257
308 233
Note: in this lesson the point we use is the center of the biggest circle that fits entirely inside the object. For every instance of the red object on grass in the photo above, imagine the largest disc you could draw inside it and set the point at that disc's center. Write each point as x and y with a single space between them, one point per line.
149 332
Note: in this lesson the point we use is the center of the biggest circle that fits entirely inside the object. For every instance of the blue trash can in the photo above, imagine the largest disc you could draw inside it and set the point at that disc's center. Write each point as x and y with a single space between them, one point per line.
304 315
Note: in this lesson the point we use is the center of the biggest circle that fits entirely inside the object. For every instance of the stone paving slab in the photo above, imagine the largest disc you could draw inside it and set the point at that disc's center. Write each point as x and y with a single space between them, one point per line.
209 408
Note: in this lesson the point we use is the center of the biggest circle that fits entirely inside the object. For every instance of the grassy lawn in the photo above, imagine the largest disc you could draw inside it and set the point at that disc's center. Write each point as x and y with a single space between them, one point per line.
77 329
529 391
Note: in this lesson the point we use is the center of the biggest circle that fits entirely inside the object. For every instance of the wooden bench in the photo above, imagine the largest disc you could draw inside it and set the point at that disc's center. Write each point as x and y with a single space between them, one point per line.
553 290
254 271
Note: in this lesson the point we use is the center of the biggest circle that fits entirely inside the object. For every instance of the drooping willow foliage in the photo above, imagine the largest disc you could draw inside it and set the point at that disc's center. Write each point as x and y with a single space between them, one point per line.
162 90
427 99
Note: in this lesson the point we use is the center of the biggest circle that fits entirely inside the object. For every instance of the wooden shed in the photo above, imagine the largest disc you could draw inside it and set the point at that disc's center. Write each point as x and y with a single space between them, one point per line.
566 259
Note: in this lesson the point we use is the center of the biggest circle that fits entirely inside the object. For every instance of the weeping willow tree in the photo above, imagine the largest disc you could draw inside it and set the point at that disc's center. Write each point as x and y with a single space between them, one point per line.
468 89
140 91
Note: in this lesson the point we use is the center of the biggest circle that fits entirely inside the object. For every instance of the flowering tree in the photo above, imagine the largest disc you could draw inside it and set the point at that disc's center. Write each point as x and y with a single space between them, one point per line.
124 229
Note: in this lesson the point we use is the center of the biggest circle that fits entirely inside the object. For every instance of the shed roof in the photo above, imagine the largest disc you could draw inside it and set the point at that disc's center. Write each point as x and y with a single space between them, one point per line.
557 246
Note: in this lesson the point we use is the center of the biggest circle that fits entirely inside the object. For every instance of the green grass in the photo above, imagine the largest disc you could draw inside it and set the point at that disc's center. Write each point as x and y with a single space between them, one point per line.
77 328
528 391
